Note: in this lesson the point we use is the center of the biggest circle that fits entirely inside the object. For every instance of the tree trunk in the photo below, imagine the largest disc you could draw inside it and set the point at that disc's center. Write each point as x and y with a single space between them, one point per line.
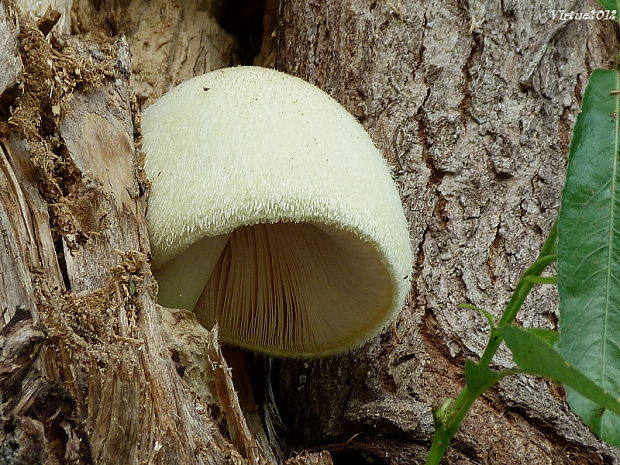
473 105
471 102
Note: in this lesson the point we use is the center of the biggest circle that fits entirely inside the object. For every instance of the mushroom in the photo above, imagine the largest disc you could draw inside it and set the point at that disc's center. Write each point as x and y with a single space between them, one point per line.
272 213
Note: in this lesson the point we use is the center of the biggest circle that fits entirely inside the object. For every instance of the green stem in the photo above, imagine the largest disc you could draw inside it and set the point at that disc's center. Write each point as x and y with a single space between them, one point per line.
448 422
445 429
546 256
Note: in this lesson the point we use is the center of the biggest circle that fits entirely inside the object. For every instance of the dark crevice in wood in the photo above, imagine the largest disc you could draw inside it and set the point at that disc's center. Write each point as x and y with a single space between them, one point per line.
55 408
40 419
440 210
244 20
432 333
495 251
60 255
417 272
48 20
21 343
262 377
376 449
436 175
355 457
7 101
465 105
565 132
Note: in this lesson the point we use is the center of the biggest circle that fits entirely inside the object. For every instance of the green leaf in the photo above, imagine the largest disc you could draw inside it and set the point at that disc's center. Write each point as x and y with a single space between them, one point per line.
542 279
589 251
490 318
535 356
548 335
479 378
608 4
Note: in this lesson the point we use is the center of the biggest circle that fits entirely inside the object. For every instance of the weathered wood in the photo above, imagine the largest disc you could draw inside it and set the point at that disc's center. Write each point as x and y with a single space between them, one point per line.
170 41
10 62
472 103
87 375
240 433
41 12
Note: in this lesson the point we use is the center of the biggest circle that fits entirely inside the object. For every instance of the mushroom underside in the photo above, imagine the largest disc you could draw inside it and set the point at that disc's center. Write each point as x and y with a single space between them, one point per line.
285 288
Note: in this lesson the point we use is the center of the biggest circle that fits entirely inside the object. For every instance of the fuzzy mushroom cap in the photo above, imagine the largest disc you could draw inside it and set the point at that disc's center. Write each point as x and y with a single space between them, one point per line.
272 213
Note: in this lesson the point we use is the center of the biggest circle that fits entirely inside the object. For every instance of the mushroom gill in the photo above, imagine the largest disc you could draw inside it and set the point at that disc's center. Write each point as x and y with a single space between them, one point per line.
297 288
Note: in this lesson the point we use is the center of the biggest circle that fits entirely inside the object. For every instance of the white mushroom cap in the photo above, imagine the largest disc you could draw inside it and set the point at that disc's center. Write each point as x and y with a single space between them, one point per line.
272 213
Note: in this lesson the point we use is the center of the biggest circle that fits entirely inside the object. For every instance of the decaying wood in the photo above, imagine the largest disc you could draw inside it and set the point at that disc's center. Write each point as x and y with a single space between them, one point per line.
10 61
241 436
471 102
37 11
170 41
87 375
21 340
91 369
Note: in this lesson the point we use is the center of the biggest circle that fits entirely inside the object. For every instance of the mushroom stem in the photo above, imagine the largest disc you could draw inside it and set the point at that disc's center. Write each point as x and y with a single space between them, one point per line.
183 279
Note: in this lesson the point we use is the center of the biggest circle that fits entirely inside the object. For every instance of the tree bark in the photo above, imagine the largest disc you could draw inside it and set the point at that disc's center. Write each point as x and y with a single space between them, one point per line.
472 104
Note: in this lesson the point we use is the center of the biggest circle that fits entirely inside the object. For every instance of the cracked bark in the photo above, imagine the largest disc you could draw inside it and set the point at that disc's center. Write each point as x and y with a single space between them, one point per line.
472 103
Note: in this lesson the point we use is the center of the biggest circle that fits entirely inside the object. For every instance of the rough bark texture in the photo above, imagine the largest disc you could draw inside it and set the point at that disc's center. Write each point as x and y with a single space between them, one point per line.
471 102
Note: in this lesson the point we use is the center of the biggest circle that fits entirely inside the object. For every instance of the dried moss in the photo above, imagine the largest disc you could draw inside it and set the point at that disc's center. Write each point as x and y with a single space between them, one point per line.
53 70
90 322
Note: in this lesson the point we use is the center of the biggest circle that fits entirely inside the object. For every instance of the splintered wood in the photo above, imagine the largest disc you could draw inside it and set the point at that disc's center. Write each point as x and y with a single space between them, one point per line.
86 375
229 403
92 370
